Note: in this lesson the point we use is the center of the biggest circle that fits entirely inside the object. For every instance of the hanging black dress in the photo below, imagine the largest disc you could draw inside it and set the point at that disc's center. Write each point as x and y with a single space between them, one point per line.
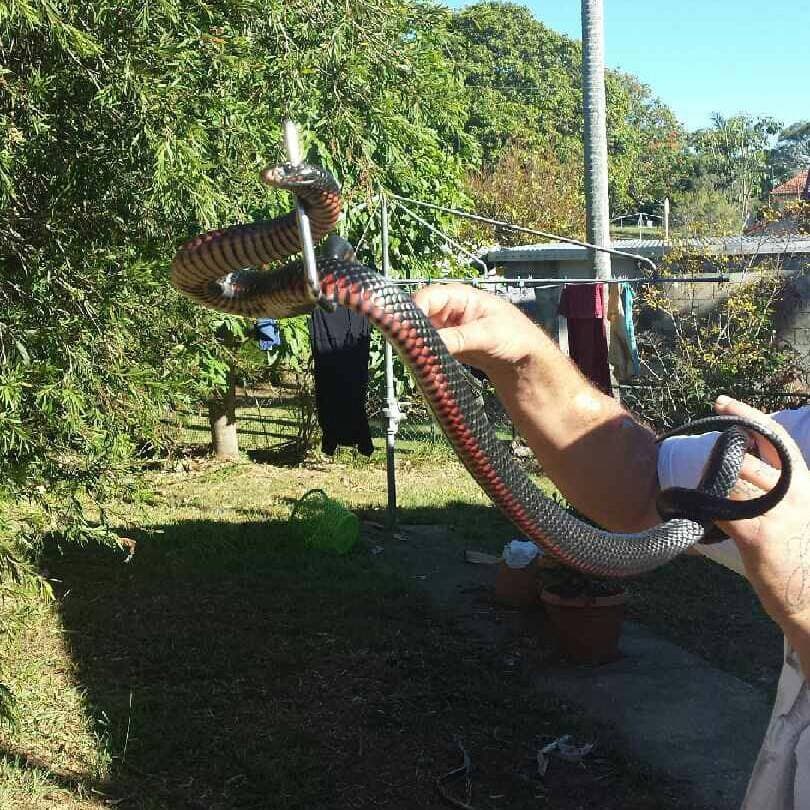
340 350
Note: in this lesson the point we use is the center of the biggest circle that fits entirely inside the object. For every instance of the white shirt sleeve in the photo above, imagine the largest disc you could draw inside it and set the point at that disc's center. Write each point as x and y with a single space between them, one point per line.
681 460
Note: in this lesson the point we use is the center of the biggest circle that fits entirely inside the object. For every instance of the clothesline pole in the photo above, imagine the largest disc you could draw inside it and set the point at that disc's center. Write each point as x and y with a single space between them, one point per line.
391 405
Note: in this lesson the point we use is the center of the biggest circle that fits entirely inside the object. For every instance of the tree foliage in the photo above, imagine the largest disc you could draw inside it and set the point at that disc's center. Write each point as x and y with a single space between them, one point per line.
791 152
534 189
526 86
732 347
704 210
126 128
523 80
731 156
645 146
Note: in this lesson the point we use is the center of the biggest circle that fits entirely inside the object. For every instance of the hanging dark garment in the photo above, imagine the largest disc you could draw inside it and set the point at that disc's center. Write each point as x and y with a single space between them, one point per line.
340 348
583 305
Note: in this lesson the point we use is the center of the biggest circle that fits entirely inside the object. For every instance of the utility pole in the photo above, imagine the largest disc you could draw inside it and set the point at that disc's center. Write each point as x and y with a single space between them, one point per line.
594 109
595 134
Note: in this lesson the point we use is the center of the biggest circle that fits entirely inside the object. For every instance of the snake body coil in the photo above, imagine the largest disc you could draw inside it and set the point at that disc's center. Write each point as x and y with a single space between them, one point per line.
217 270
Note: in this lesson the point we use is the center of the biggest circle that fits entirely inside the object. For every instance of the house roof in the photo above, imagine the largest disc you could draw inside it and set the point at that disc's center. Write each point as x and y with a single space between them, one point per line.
652 248
793 187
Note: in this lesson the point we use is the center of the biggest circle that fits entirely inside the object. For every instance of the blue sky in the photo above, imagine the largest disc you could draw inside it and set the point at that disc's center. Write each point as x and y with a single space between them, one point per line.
705 56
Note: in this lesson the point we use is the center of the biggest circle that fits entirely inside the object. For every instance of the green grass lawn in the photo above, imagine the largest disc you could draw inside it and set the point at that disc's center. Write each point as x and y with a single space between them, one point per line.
224 667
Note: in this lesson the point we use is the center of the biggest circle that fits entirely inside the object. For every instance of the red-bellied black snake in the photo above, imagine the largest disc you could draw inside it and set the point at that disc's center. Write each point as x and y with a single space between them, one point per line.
226 270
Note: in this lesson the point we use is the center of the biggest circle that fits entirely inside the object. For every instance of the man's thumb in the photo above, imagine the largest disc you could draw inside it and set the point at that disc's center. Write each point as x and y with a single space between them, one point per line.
454 339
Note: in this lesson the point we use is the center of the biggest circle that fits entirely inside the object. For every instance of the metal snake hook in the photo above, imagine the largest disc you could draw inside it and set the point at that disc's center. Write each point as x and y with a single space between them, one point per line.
313 284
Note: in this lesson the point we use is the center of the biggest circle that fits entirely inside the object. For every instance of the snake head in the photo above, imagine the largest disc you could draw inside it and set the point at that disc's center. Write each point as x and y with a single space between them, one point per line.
291 176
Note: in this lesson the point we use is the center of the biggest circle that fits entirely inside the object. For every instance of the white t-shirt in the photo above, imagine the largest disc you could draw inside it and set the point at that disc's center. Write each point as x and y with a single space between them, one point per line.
781 775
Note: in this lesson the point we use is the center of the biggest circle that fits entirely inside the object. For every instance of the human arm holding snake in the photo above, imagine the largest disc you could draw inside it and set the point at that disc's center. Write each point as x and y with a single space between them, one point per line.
567 422
605 463
231 270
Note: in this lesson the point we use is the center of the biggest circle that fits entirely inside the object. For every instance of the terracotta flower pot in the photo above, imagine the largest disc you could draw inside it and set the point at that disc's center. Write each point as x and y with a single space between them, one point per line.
516 587
588 627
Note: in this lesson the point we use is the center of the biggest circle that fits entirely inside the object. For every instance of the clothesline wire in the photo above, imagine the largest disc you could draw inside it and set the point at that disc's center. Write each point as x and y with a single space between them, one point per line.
446 237
371 214
529 281
531 231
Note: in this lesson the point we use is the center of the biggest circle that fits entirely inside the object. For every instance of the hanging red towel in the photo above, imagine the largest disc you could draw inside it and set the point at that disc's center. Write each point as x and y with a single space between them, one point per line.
583 305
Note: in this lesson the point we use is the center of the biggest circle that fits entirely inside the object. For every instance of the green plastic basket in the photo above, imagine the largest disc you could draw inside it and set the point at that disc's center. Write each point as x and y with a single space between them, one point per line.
322 523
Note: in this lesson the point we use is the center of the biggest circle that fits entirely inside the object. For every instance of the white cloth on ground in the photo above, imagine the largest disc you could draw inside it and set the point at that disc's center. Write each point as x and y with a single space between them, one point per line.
781 776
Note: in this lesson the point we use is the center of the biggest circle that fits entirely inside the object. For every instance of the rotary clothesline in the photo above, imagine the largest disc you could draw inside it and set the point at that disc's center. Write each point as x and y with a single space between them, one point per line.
520 229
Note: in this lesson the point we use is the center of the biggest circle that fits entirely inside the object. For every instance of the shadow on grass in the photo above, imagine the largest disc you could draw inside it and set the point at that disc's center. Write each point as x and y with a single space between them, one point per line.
287 454
228 668
211 654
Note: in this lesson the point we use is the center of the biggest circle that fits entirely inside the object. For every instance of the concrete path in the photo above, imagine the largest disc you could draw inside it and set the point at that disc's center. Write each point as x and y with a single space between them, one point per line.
670 709
674 712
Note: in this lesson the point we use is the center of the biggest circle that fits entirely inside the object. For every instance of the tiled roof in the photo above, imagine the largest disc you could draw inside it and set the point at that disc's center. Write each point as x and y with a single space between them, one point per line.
792 187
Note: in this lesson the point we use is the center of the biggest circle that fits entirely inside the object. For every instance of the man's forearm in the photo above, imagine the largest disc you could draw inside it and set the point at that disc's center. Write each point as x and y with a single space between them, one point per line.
601 459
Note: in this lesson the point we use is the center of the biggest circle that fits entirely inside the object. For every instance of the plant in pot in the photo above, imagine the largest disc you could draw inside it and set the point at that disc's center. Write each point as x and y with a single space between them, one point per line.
586 611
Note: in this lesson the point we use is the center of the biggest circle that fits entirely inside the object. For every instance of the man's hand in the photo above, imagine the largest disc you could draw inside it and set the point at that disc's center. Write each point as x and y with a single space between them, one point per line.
481 329
775 547
601 459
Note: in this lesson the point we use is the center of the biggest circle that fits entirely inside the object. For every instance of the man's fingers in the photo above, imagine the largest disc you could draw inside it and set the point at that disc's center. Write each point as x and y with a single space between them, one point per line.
466 341
453 337
432 299
445 304
758 473
732 407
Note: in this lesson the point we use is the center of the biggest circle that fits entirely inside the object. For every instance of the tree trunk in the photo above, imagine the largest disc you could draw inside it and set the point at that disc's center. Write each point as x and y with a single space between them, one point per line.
595 134
222 417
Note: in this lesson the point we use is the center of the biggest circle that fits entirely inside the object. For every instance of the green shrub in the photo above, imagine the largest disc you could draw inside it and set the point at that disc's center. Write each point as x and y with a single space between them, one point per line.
732 349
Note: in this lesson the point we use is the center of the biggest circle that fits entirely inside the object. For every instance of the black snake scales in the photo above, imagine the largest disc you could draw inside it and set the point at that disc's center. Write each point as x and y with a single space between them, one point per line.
217 269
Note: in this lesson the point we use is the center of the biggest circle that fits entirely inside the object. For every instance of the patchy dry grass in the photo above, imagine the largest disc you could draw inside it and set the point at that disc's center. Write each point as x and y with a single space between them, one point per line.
225 668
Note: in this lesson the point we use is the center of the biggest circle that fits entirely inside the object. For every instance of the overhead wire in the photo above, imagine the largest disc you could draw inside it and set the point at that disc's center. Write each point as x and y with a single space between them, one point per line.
448 239
532 282
531 231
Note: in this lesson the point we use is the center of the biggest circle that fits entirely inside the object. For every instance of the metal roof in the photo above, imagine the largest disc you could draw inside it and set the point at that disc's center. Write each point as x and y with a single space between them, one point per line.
652 248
